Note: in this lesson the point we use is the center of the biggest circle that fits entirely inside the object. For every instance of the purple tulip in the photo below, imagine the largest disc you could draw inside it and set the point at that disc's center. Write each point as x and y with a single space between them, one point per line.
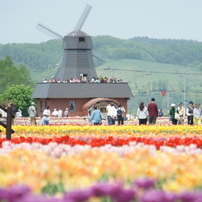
153 196
170 197
78 195
3 194
145 183
18 192
125 195
100 189
190 196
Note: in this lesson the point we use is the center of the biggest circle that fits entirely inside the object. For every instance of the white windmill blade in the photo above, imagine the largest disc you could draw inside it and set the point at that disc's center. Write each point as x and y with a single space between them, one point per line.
83 17
48 31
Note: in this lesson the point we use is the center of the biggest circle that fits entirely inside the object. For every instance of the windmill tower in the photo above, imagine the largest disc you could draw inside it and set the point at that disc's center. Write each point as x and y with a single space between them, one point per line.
77 60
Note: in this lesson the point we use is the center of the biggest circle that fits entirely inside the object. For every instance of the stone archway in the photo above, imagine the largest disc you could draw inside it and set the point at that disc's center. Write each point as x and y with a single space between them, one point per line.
101 103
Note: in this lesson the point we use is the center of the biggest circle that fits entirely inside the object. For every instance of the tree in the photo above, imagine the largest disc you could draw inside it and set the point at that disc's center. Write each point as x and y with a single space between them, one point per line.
19 95
11 74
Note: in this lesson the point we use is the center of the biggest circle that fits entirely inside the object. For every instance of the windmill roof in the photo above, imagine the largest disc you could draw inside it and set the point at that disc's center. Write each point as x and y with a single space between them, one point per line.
82 90
77 33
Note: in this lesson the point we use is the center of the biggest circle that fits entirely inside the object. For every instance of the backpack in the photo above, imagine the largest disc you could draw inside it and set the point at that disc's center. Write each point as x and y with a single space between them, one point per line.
119 112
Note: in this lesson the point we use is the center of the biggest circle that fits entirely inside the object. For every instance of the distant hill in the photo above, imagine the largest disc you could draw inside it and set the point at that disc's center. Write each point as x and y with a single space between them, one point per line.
45 56
145 76
147 40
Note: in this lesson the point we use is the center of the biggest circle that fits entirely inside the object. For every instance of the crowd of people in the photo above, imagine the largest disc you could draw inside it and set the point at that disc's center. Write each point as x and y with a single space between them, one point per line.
177 114
83 80
46 114
113 114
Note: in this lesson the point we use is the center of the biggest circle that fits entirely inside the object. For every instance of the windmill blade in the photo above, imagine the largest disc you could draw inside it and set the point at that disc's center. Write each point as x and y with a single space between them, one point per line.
48 31
99 56
83 17
58 67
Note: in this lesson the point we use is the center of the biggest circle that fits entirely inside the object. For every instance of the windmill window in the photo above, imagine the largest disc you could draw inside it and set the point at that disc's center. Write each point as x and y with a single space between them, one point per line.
81 39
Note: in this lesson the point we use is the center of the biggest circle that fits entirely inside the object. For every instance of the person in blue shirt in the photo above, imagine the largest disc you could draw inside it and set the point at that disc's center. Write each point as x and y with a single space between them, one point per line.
96 117
45 119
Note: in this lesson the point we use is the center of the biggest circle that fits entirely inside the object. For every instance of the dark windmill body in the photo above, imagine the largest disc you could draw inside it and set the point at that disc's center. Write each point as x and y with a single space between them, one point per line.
77 61
77 57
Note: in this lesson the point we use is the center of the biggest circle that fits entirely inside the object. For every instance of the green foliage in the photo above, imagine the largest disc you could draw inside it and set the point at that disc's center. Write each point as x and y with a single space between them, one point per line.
53 189
11 74
19 95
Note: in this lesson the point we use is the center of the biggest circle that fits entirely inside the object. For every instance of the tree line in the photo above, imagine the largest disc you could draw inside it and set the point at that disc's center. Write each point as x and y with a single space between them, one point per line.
45 55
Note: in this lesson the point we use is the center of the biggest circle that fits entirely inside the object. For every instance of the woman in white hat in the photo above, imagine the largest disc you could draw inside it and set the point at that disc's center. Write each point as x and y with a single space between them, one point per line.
172 114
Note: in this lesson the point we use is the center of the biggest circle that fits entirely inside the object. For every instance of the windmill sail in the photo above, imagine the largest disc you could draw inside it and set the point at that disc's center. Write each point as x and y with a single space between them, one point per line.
48 31
83 17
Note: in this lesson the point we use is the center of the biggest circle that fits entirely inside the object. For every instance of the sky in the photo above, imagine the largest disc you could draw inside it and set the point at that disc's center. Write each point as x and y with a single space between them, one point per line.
124 19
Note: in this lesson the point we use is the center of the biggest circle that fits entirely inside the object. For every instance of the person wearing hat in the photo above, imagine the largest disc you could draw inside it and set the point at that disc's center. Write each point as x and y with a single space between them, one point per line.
45 119
32 113
190 113
172 114
181 112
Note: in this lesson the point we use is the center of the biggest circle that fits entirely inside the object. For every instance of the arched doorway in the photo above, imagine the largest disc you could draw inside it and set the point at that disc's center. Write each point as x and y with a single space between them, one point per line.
101 103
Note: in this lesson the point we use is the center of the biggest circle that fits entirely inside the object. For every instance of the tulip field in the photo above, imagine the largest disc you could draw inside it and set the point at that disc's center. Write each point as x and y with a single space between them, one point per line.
84 163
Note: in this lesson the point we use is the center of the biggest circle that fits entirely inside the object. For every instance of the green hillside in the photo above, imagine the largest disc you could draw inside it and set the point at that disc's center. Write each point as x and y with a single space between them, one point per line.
163 77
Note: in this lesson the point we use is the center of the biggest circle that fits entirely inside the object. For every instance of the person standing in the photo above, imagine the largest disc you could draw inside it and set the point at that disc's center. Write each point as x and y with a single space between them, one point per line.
112 112
152 111
172 114
59 113
190 113
13 112
47 110
32 113
55 113
181 112
197 114
66 112
120 112
45 118
142 114
96 117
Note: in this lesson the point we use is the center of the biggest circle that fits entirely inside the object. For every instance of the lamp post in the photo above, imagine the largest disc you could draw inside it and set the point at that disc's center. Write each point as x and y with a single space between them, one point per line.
148 74
185 87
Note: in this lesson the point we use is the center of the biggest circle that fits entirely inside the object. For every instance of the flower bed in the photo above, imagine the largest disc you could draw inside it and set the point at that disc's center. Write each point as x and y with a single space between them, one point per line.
101 163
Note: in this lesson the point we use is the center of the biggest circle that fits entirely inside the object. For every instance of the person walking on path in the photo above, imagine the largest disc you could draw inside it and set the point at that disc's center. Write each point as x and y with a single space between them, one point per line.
32 113
96 117
197 114
153 111
120 112
142 114
190 113
172 114
47 110
181 112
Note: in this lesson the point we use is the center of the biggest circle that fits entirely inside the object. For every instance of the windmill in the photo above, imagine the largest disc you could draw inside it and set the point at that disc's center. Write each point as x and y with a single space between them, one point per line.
77 57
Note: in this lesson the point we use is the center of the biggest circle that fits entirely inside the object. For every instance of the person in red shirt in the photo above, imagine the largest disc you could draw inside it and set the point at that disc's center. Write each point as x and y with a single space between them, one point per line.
153 111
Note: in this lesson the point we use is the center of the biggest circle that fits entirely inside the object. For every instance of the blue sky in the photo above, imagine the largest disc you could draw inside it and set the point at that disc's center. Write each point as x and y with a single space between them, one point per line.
174 19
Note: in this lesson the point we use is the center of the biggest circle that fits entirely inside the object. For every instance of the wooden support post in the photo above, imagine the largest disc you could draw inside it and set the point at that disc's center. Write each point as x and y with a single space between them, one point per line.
8 123
9 130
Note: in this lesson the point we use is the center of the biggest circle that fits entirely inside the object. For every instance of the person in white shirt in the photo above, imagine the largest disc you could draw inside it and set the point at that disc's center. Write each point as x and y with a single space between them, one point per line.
142 114
66 112
197 114
19 114
59 113
55 113
112 112
47 111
